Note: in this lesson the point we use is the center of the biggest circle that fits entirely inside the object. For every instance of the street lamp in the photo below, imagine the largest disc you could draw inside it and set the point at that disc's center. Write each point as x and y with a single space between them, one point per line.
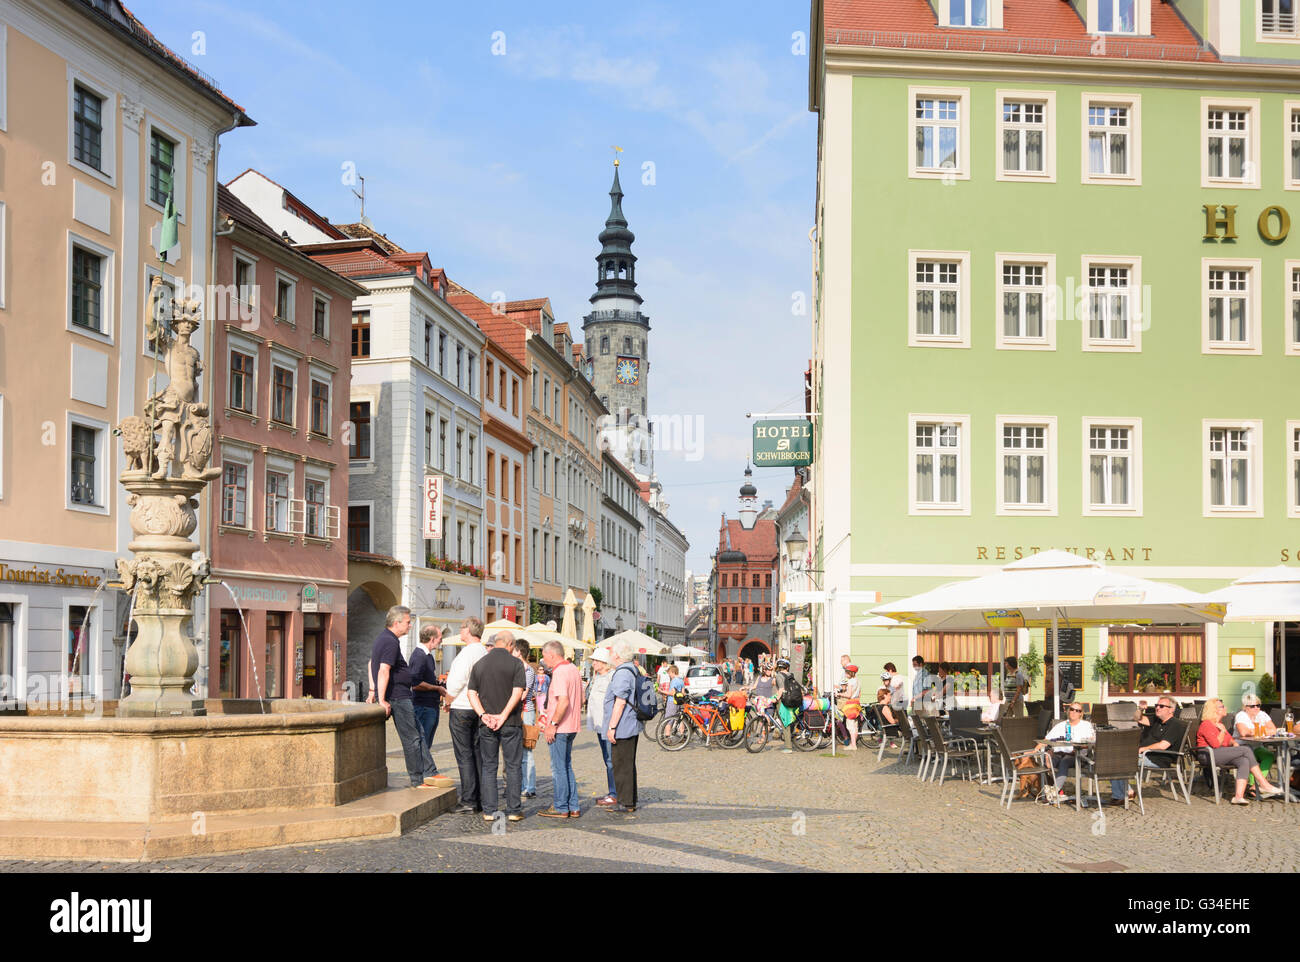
618 623
441 594
795 546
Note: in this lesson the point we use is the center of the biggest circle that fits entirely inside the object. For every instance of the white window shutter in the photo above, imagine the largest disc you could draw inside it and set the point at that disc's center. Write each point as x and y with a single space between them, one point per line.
333 527
297 516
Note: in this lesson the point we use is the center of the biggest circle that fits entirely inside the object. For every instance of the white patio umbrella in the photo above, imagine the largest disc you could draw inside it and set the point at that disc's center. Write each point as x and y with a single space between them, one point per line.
686 651
570 626
588 621
642 643
1053 589
1272 594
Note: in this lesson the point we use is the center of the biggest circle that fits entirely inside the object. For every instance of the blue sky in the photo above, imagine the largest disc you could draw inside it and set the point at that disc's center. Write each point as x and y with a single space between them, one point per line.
498 164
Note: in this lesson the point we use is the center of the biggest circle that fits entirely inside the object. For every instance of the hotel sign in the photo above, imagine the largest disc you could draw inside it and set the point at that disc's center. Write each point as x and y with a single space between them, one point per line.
431 505
782 444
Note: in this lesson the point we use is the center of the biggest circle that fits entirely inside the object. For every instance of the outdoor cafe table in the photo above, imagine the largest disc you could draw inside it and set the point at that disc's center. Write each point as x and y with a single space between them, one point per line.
1282 744
1079 749
984 733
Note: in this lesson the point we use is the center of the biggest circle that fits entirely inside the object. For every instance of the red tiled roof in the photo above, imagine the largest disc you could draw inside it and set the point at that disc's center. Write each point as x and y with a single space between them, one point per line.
535 304
509 333
1036 27
357 263
793 493
363 231
757 544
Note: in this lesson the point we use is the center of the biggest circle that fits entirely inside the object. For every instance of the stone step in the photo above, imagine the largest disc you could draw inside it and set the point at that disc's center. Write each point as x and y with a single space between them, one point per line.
385 814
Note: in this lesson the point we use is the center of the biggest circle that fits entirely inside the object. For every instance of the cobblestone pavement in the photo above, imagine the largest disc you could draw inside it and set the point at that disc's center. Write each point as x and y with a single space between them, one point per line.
715 809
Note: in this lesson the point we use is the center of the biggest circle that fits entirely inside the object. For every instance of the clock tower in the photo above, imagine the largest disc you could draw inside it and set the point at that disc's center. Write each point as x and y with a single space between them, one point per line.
615 337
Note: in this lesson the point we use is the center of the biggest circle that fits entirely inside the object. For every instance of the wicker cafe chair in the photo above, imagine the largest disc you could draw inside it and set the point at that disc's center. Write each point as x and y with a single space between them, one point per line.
1011 782
1100 716
907 726
926 751
1020 734
957 749
1115 756
1212 770
886 729
1279 718
1177 760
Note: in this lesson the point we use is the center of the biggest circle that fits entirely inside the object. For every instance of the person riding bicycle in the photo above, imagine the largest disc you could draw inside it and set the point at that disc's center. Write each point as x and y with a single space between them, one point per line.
784 679
763 689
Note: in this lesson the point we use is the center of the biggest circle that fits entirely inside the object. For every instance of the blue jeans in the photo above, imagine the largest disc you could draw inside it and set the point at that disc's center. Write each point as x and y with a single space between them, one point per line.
609 762
565 782
426 720
530 764
412 746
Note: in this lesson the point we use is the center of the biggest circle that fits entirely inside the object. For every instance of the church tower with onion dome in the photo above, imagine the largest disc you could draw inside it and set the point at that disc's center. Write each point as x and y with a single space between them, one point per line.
616 336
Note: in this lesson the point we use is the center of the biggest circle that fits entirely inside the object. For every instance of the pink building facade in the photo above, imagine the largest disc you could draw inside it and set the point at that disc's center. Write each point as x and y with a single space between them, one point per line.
280 373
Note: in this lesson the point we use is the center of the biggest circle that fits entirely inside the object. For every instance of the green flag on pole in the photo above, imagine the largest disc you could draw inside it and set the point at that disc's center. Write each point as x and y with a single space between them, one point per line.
170 235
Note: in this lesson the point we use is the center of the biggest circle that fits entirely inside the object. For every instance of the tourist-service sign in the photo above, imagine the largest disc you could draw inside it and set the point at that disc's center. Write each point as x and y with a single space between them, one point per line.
782 444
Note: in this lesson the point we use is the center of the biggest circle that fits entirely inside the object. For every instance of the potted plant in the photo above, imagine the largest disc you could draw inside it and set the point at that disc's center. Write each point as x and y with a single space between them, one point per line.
1154 678
1190 677
1031 663
1268 694
1105 666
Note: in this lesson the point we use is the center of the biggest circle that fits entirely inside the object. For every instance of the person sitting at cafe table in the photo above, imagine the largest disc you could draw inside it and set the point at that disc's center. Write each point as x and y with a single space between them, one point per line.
945 688
1212 733
1076 728
1248 720
1162 736
989 713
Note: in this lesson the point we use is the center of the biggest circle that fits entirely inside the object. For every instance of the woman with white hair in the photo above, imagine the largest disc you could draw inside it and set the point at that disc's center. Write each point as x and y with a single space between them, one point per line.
622 726
596 690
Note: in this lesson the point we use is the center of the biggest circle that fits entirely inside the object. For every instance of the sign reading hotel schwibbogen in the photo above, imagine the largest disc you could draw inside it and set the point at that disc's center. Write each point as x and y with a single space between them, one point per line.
53 577
784 444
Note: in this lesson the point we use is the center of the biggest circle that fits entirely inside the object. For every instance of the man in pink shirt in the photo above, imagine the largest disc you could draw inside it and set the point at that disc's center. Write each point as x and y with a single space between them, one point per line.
560 719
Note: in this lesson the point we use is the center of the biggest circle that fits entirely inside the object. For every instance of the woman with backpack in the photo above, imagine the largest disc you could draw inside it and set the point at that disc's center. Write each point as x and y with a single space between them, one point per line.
789 699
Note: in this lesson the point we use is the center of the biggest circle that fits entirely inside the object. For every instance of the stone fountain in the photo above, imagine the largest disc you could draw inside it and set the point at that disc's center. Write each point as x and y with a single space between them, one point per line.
165 772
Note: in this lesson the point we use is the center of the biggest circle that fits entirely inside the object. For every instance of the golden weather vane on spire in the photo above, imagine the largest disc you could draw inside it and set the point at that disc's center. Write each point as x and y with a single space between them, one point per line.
617 150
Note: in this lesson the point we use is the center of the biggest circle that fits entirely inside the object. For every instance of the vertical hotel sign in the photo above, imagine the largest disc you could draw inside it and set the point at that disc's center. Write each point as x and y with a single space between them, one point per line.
431 505
782 444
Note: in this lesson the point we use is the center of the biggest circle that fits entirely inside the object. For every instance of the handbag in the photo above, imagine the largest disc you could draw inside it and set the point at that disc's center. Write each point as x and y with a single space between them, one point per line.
530 737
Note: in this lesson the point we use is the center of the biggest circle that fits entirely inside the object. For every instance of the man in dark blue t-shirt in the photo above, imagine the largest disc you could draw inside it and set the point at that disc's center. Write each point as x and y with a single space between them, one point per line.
426 695
390 685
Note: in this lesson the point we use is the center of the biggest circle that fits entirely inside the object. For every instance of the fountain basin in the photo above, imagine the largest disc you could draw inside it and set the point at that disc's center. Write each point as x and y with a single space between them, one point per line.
234 760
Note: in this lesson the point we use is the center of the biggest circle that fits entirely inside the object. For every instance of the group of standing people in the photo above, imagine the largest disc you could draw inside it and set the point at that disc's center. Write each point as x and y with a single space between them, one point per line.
738 672
499 704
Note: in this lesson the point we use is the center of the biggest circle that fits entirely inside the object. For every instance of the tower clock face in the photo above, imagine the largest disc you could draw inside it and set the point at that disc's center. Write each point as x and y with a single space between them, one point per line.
628 370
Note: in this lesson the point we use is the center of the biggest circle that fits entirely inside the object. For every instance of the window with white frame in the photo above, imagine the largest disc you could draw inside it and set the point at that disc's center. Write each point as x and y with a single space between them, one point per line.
320 407
162 168
1232 468
242 378
1113 319
1112 142
1112 459
1117 16
970 13
1026 465
1277 19
1232 305
939 463
442 444
84 466
1291 145
245 281
1025 302
278 491
470 465
282 394
1229 143
938 304
320 316
285 290
1293 307
1025 138
428 438
316 506
1293 468
460 453
88 279
460 365
88 127
936 133
234 494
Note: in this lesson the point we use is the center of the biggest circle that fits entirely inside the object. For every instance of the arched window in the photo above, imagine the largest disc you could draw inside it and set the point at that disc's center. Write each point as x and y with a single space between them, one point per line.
604 345
622 269
609 269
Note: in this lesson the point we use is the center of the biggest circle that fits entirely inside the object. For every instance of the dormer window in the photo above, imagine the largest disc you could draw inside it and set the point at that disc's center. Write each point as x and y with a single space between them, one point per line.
1122 16
969 13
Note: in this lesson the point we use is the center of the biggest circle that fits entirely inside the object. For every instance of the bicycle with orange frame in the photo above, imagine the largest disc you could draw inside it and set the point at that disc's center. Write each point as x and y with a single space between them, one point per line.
699 716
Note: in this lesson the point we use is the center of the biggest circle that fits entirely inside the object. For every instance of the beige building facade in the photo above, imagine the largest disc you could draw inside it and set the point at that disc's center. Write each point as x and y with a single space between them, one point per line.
99 123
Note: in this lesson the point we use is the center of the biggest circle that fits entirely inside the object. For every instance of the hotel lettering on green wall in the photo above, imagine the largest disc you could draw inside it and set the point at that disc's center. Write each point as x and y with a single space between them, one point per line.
784 444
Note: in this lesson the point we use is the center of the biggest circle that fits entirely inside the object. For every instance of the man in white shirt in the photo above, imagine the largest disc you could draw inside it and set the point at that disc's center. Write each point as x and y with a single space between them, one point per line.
462 718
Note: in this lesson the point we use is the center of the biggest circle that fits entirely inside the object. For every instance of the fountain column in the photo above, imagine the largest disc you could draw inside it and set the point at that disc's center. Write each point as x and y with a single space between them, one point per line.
173 433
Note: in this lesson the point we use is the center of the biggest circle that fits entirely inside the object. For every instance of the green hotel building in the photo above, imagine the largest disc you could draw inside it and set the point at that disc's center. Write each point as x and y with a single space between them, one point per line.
1057 306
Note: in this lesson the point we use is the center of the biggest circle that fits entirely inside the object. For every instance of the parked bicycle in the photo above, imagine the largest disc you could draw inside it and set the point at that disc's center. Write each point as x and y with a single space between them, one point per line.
701 716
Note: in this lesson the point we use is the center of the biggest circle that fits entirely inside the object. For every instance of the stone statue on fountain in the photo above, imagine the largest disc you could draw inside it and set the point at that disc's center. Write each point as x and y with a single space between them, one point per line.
163 576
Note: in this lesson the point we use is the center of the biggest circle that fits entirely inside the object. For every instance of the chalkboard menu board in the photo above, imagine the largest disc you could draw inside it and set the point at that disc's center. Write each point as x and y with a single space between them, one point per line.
1072 670
1071 640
